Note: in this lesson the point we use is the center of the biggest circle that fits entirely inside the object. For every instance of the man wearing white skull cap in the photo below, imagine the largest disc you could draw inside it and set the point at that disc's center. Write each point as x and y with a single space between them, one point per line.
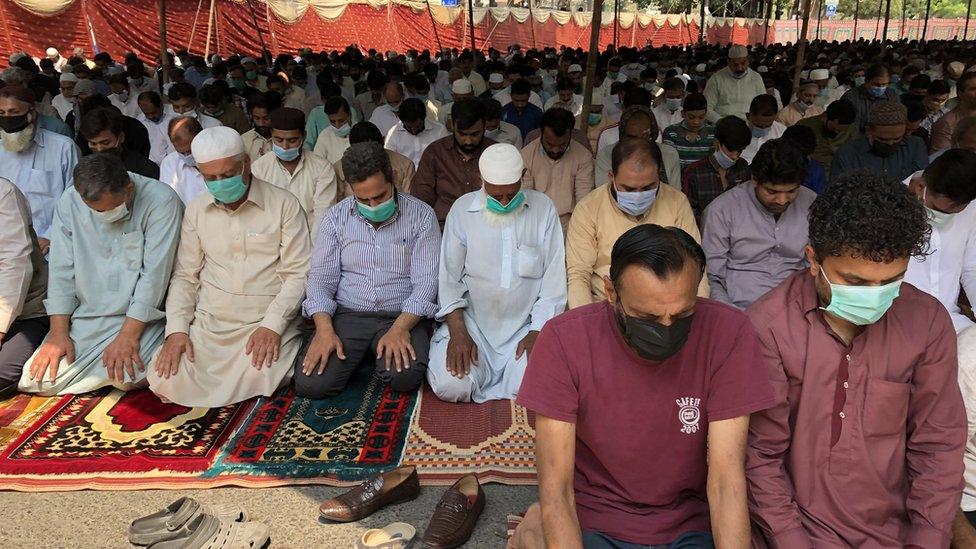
231 314
730 90
502 276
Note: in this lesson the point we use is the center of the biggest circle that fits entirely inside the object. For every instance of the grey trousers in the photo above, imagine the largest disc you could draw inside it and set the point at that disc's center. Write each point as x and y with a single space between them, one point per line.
359 334
22 339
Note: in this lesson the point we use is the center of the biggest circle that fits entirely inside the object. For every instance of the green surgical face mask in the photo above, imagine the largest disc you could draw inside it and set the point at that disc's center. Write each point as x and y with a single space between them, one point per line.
379 213
860 305
229 190
513 204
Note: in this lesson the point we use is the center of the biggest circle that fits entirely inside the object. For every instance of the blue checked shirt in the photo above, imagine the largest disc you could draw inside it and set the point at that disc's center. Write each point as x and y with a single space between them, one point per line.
390 268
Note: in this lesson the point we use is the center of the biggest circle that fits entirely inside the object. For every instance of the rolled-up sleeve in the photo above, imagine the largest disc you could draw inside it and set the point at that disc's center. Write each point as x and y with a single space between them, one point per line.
162 236
424 265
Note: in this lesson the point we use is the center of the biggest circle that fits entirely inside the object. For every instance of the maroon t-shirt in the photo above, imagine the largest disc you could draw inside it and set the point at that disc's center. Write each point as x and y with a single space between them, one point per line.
642 426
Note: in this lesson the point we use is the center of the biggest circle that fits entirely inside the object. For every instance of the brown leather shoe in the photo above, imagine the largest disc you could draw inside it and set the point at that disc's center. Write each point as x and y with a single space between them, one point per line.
375 493
455 515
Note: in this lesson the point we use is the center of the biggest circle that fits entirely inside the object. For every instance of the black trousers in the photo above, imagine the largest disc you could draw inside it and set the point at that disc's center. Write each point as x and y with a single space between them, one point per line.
359 334
22 339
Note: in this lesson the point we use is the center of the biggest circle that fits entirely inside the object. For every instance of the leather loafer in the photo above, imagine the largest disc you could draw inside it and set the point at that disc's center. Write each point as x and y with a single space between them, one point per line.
375 493
455 515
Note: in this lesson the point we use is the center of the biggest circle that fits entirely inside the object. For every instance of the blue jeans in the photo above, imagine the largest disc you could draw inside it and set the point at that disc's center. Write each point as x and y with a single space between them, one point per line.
688 540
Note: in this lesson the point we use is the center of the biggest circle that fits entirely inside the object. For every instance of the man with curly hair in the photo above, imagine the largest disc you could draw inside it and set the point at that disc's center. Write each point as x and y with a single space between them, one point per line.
864 446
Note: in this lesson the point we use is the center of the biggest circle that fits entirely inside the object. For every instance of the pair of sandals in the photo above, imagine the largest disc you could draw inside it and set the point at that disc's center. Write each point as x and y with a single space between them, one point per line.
188 524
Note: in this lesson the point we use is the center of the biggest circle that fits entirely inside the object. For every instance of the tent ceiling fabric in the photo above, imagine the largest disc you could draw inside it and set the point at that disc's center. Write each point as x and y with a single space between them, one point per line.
46 8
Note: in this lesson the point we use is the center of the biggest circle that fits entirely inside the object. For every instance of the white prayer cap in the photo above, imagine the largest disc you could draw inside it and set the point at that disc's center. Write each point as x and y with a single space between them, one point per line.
462 86
804 75
68 77
17 56
762 69
495 78
216 143
819 74
500 164
85 87
700 67
955 69
738 51
52 52
246 60
575 68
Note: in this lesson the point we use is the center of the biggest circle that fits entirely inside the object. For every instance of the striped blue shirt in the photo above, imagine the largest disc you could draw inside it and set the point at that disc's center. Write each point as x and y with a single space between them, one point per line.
390 268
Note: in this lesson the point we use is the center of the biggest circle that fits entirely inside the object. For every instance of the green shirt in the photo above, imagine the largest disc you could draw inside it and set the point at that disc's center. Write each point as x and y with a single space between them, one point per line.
689 151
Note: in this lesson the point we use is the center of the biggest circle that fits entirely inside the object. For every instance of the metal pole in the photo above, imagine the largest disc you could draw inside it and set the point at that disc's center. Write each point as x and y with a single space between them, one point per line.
471 22
163 54
264 49
925 26
591 61
701 21
884 36
969 9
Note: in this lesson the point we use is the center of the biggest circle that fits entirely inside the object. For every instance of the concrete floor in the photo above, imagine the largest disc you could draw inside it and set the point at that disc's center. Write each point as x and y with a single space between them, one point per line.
81 520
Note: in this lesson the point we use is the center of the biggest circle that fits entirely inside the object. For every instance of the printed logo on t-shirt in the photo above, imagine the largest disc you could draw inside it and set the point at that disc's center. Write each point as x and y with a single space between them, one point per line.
688 414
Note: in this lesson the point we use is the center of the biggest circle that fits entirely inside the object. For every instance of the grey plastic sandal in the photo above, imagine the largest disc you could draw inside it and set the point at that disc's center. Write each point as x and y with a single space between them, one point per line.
207 532
172 522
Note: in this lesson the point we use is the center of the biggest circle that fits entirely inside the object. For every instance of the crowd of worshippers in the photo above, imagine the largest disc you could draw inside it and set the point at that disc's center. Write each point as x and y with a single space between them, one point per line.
458 218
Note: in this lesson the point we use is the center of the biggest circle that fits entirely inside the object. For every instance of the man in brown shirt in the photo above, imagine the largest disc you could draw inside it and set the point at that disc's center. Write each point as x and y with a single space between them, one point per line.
864 446
942 129
449 166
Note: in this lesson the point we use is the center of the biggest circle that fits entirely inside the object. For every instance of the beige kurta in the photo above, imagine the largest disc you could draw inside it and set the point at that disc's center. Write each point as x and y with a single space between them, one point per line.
313 183
565 181
255 145
403 172
236 271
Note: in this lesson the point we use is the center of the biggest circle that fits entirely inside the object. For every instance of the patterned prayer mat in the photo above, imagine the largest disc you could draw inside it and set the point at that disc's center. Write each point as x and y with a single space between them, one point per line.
494 440
111 440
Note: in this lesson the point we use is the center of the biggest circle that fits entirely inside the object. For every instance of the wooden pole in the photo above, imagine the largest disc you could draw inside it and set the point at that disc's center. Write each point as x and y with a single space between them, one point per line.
591 61
193 28
925 26
701 21
884 35
904 18
857 12
163 54
535 44
877 21
264 48
616 22
801 50
820 10
471 22
210 21
769 14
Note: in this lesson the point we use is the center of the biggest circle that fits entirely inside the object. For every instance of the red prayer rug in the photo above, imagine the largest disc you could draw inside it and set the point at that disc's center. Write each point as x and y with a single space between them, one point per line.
495 440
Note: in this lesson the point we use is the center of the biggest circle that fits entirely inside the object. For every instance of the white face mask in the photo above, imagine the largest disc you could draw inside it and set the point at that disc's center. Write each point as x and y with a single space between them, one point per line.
938 219
113 215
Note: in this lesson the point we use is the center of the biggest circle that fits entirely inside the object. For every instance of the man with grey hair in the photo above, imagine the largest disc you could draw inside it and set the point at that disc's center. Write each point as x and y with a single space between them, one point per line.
231 313
38 161
502 277
730 90
113 245
383 245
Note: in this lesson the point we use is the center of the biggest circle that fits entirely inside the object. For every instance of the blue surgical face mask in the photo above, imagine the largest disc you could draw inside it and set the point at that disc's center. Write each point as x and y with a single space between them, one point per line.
286 155
228 190
495 206
342 131
895 79
723 159
858 80
378 213
189 160
635 203
759 133
877 91
673 103
860 305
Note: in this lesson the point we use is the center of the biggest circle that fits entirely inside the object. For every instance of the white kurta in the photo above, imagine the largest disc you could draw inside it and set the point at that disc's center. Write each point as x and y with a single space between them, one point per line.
509 281
184 179
159 143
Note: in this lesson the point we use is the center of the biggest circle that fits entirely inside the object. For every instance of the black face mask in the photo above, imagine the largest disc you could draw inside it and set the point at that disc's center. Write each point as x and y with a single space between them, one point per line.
884 150
651 340
14 124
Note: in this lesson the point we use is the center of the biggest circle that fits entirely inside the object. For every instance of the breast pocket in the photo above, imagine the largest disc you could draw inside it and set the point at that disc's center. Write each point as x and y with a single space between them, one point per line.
400 259
132 250
886 407
261 244
529 264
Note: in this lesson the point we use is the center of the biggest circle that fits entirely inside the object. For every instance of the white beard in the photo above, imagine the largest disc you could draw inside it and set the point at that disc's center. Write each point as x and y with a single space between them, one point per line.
498 221
20 141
